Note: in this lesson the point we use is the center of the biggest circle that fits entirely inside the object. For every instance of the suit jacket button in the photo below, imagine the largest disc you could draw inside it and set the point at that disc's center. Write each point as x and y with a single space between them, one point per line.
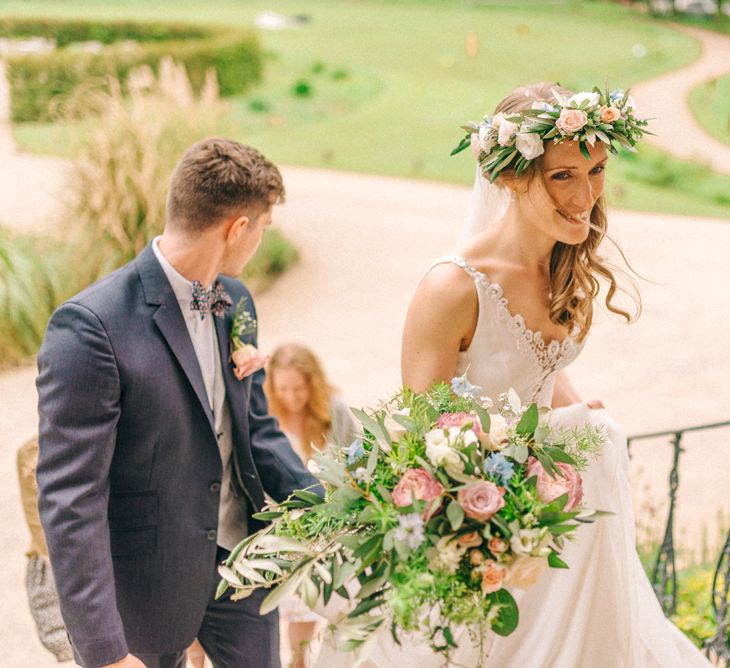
215 487
212 534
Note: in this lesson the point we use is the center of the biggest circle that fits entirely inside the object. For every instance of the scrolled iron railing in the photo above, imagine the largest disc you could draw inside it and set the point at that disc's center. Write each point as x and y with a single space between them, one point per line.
664 574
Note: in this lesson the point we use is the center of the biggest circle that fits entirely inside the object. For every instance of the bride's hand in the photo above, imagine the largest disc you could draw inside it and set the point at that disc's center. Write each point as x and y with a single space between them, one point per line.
595 404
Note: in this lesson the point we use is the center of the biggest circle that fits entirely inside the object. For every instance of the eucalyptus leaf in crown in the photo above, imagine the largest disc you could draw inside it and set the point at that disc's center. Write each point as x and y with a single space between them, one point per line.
513 141
446 504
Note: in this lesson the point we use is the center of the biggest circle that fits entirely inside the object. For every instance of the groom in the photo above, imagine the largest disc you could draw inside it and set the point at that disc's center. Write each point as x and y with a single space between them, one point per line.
153 456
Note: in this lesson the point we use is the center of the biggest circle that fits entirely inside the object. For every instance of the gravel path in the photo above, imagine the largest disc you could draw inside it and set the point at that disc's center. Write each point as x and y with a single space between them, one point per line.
665 99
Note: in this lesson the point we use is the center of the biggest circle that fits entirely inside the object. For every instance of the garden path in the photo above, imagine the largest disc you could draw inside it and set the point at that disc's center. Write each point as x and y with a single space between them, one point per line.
31 186
666 100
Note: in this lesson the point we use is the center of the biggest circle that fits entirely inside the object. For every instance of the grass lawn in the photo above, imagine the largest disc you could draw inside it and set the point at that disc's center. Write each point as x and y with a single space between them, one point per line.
710 103
382 87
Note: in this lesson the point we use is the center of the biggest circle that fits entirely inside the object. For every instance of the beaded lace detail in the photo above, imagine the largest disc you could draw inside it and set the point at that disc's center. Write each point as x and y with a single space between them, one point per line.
550 357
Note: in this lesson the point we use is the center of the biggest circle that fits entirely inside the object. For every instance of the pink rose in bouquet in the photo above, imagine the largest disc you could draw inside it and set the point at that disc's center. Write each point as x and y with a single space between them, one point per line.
493 575
471 539
497 546
568 481
481 500
459 420
417 484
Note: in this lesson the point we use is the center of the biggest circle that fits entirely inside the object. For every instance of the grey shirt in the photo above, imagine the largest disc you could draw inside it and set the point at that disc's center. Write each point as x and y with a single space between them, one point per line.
232 523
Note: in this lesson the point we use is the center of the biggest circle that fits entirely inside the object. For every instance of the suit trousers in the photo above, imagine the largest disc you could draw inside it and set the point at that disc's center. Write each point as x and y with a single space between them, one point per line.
233 633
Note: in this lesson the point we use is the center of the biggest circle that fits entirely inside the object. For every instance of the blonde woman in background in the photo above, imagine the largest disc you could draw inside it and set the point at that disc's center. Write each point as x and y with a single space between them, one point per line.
309 414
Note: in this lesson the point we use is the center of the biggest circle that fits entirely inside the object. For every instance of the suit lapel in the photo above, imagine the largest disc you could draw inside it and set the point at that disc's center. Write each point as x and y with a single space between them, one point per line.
170 322
237 391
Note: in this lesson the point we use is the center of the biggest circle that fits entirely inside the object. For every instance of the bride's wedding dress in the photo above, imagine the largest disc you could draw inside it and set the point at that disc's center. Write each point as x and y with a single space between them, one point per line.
601 612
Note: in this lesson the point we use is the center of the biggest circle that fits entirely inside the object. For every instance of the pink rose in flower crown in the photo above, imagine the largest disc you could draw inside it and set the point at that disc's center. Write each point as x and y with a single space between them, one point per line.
548 488
571 121
610 114
459 420
481 500
417 484
493 575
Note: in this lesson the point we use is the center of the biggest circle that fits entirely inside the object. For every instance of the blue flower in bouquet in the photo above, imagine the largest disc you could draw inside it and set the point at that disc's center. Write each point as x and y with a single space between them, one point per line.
498 465
461 386
355 451
410 530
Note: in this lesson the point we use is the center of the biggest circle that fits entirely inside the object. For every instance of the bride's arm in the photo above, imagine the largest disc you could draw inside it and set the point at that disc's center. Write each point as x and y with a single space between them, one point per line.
565 394
441 320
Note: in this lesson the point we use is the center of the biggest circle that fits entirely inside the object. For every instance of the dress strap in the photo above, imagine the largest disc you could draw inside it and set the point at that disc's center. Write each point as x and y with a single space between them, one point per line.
459 261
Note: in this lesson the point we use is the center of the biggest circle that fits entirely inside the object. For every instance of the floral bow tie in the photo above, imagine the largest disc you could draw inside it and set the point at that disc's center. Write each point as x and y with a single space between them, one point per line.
215 301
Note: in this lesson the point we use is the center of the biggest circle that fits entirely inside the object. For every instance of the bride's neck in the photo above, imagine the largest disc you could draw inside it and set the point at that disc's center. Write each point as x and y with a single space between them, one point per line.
519 242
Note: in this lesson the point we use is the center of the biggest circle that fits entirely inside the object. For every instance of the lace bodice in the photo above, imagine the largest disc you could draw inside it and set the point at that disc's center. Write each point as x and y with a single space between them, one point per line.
504 352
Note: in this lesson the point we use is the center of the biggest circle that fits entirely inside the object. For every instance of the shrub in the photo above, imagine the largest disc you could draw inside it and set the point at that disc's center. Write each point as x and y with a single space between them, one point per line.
35 276
38 82
273 258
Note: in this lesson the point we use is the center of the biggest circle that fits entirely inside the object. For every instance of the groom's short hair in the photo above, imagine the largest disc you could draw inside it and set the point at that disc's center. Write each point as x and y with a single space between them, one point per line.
217 178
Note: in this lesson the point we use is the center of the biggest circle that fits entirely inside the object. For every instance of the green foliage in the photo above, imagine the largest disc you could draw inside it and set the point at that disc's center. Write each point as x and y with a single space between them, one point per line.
694 614
39 83
35 276
273 258
653 168
396 110
710 103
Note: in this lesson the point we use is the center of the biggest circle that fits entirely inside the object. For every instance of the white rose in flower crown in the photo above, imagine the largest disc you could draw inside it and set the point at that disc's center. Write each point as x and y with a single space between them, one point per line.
507 133
497 120
579 98
487 140
530 145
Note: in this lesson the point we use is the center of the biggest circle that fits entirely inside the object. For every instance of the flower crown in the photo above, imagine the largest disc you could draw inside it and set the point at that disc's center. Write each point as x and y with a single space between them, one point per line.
513 141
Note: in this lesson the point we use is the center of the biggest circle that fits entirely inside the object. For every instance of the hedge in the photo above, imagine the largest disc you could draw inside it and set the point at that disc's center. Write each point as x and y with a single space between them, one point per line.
39 82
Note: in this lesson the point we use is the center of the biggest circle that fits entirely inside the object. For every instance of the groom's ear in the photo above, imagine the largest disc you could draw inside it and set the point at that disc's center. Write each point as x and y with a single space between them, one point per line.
236 226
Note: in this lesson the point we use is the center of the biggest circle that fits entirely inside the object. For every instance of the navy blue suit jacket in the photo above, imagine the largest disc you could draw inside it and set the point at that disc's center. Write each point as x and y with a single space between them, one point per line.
129 470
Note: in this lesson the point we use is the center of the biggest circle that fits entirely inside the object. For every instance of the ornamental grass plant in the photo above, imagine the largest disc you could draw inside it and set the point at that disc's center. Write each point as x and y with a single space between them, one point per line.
120 178
35 277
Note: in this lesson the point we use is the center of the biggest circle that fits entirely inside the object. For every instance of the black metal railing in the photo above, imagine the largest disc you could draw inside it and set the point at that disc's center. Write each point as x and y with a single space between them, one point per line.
664 573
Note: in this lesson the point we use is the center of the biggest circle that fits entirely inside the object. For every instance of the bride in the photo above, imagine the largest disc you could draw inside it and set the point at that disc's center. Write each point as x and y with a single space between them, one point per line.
513 307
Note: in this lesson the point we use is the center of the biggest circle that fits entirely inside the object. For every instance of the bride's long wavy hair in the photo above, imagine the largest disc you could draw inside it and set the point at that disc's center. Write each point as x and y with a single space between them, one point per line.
574 269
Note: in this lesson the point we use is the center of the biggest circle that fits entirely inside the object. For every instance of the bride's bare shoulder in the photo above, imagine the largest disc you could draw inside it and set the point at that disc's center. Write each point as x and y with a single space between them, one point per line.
448 282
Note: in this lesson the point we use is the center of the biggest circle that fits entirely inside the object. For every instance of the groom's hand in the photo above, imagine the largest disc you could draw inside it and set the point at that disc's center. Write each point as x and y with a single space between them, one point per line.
128 661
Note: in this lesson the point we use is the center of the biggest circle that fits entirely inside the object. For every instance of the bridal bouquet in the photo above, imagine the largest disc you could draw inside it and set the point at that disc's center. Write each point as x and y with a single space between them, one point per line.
446 503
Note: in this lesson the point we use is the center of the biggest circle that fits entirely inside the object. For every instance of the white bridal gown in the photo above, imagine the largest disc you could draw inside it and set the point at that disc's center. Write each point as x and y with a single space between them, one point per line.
601 612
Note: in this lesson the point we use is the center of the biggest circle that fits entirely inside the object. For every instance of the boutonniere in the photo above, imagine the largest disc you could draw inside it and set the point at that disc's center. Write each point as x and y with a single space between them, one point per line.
245 357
